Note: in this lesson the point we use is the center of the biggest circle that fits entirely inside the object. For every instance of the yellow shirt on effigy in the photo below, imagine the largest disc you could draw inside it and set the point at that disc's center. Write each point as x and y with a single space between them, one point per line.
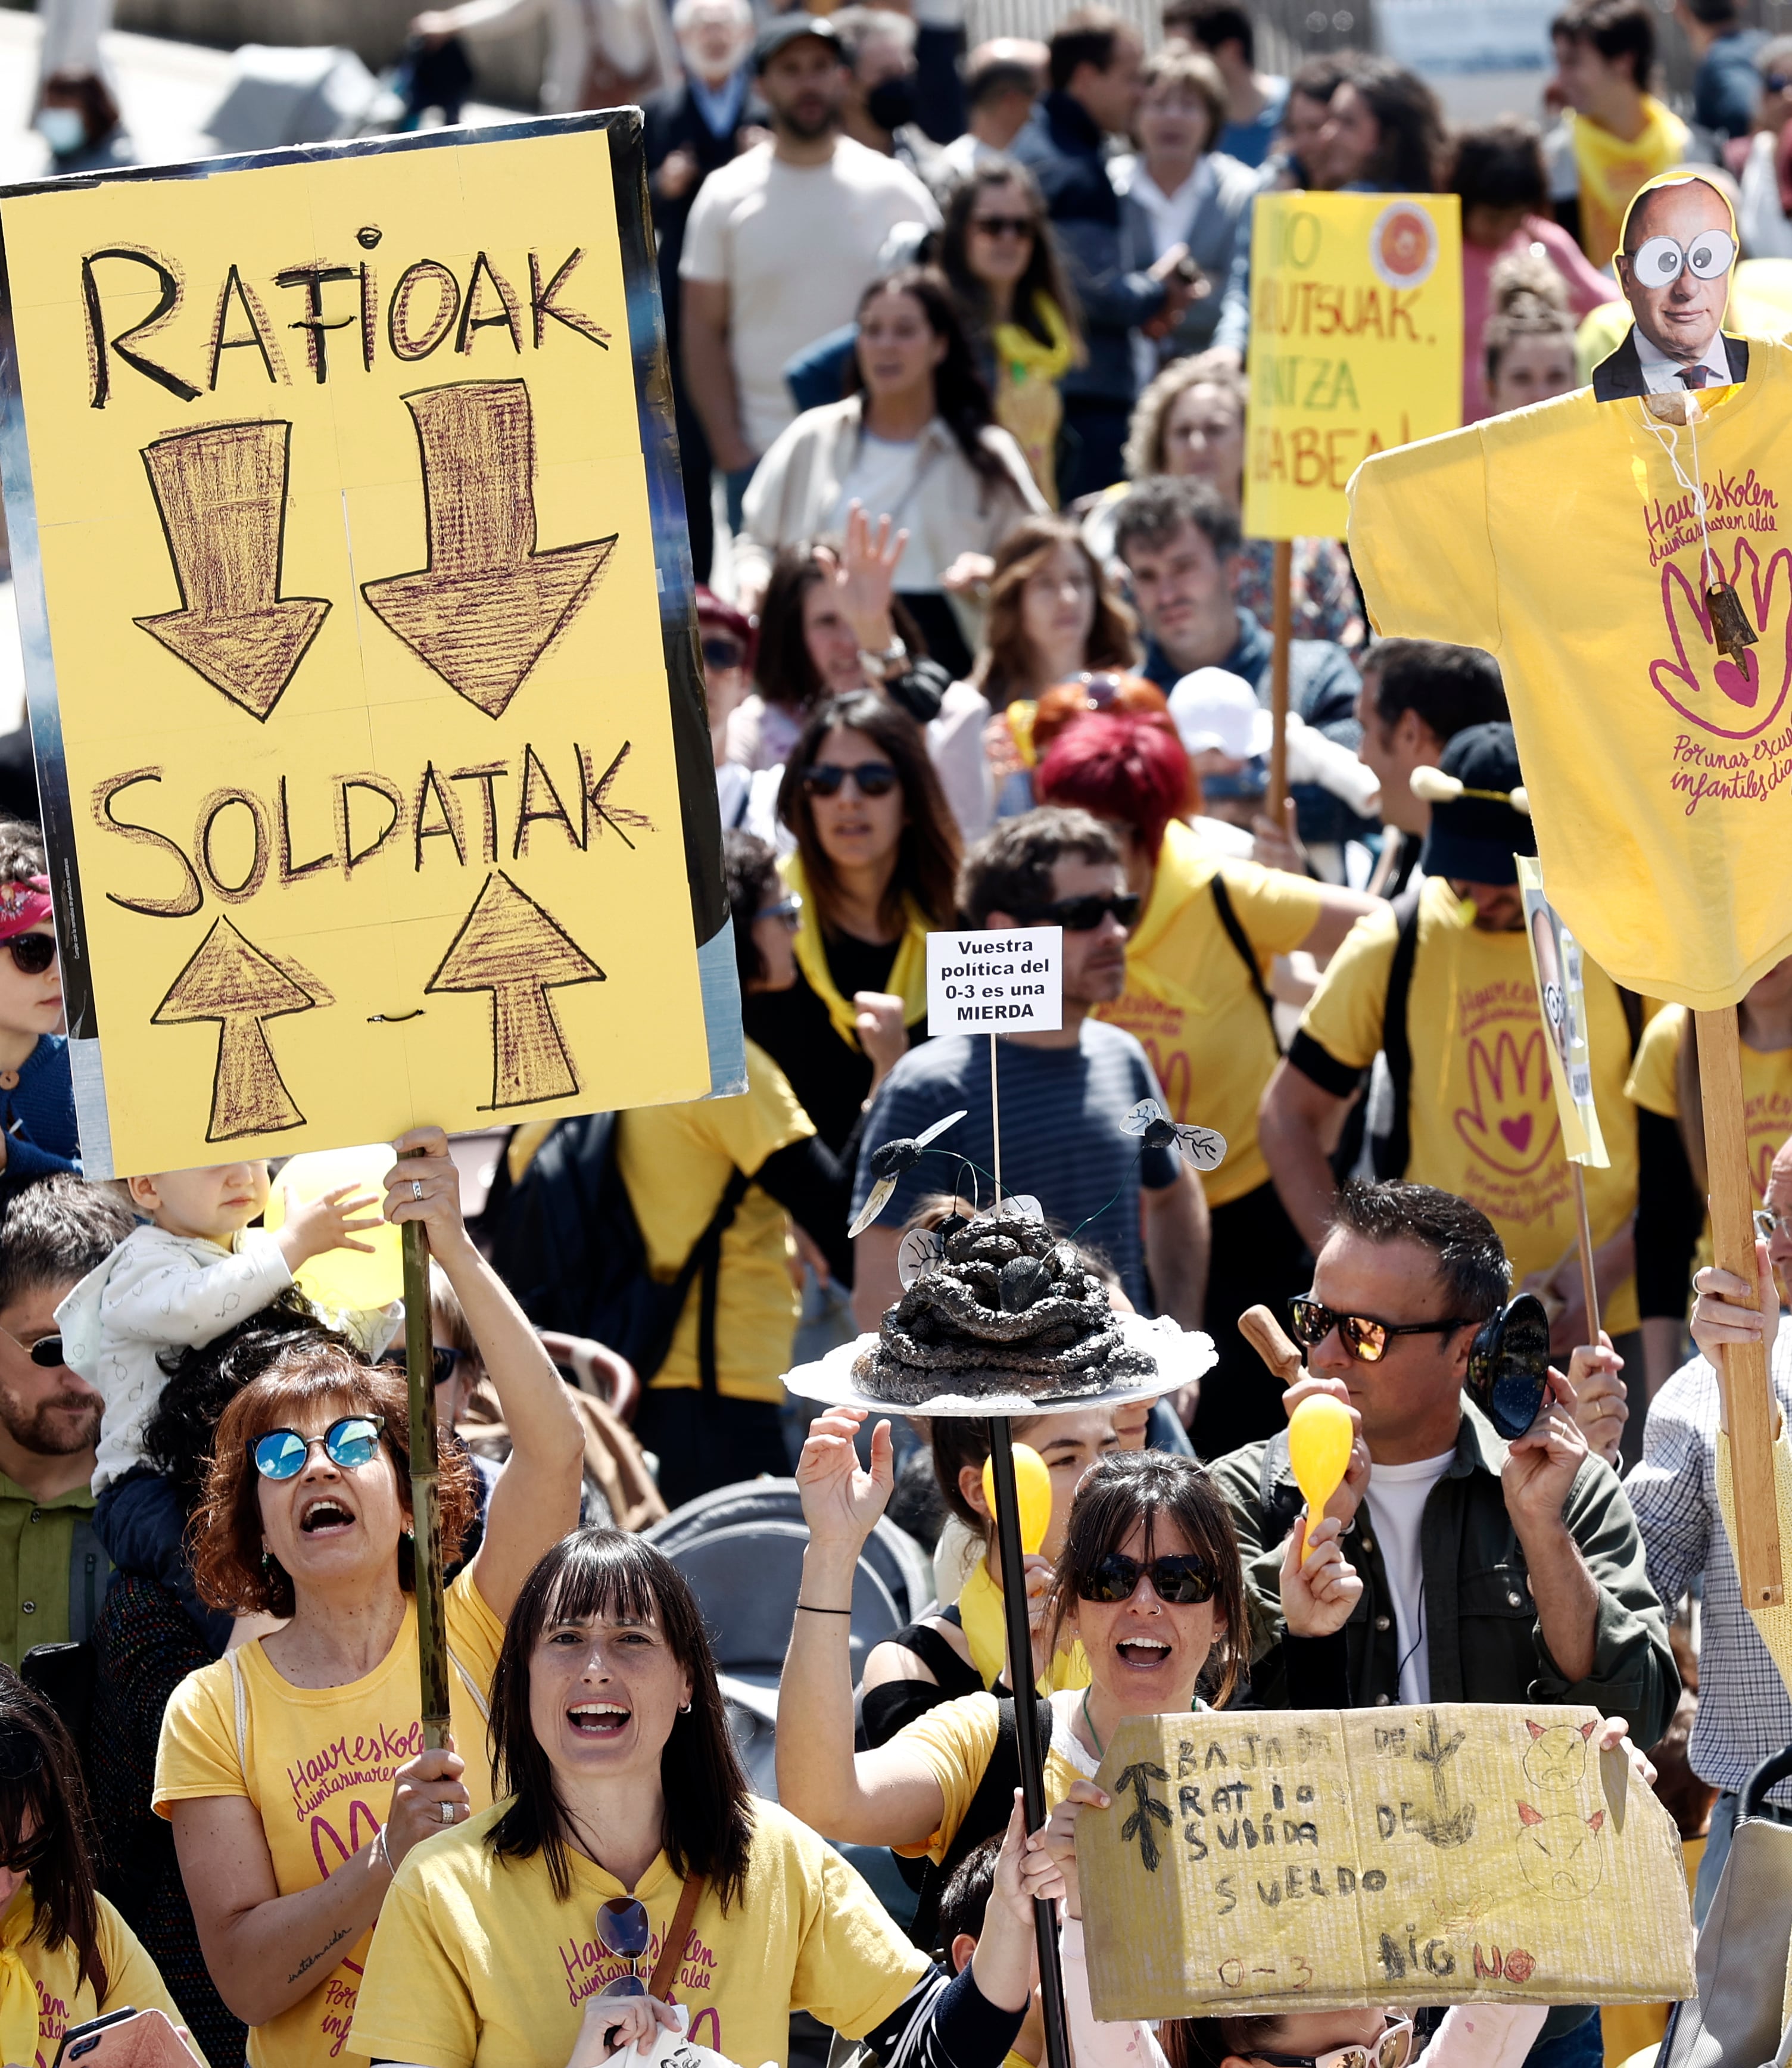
1190 1000
1766 1096
1660 773
475 1961
676 1162
1481 1108
318 1764
43 1993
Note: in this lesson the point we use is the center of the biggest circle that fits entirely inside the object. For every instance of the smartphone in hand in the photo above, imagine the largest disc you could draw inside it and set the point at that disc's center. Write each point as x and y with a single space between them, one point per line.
125 2039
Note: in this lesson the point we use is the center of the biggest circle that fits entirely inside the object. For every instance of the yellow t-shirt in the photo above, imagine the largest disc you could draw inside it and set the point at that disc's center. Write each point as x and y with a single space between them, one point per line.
1559 539
1766 1096
133 1981
955 1741
1612 168
474 1961
676 1160
318 1762
1190 1001
1483 1113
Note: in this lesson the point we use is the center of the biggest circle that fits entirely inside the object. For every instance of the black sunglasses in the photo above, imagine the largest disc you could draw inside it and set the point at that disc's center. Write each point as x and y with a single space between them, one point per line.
1003 226
1083 915
723 653
32 954
32 1854
1365 1338
442 1360
46 1351
1181 1577
875 778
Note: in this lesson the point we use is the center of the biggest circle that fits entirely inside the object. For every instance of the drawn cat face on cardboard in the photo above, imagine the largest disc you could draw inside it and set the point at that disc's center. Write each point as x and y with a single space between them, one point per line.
1557 1756
1681 316
1563 1856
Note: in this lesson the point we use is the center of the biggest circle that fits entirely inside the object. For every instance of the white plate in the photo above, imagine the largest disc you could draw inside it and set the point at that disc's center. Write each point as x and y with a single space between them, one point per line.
1181 1357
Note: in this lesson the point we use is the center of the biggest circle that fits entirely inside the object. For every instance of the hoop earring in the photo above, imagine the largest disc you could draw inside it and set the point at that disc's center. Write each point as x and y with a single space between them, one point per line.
684 1708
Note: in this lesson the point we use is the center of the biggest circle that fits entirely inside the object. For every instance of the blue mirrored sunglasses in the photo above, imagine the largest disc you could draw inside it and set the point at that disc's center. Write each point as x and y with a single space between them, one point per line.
625 1929
351 1443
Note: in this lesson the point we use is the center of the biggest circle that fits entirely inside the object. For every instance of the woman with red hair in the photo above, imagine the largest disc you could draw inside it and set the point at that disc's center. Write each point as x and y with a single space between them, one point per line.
1197 996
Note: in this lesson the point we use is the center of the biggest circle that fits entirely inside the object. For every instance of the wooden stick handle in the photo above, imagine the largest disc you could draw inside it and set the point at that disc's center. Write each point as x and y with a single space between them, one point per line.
1281 579
1271 1341
432 1628
1741 1368
1583 1235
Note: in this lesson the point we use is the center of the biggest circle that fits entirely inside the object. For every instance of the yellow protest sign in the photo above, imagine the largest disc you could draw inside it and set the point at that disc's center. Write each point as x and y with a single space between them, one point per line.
1356 346
347 643
1321 1858
1557 964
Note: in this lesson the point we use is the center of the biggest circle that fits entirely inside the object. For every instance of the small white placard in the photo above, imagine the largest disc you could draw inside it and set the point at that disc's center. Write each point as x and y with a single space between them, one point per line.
1010 981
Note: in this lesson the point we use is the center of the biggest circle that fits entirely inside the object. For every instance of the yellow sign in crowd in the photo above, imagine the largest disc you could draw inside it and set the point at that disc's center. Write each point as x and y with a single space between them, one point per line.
353 620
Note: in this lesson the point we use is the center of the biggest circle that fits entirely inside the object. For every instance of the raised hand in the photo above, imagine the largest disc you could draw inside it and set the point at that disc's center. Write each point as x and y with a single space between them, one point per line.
330 1222
1594 1390
841 1502
419 1788
1049 1866
865 578
424 1185
1319 1592
1540 1465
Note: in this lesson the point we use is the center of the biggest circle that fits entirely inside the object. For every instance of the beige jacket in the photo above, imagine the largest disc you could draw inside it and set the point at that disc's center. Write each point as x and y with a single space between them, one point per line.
795 494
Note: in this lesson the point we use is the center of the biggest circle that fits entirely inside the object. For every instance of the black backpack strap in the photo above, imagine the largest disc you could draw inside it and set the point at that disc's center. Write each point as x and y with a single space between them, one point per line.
1241 940
705 1257
1393 1151
987 1813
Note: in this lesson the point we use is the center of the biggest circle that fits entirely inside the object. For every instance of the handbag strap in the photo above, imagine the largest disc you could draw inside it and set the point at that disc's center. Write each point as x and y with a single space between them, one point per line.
666 1966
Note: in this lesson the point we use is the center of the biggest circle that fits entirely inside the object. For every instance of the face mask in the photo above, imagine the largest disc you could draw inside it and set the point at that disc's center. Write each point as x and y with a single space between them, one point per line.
62 129
890 104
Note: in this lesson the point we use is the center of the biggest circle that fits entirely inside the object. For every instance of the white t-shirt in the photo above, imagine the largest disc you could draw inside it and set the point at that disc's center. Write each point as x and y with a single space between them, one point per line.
1397 1497
881 479
796 246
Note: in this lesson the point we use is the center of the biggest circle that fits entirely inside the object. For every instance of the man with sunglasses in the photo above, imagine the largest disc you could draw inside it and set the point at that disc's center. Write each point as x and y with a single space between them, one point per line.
1063 1095
1492 1572
53 1571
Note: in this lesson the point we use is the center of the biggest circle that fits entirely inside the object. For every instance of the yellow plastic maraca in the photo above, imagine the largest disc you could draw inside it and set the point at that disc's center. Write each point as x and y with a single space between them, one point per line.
344 1278
1032 1489
1319 1433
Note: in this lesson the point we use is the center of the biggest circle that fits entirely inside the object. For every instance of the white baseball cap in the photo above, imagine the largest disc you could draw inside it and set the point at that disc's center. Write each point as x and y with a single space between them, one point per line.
1215 708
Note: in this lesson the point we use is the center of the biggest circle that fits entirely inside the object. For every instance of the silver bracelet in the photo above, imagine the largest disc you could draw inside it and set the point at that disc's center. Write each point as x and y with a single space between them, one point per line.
379 1847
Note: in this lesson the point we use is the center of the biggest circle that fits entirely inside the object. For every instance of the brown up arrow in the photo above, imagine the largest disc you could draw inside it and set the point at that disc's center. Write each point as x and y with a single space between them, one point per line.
508 945
233 982
222 493
482 610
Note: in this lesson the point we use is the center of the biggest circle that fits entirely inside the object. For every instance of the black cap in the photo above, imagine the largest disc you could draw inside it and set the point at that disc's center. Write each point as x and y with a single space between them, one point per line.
1480 814
783 30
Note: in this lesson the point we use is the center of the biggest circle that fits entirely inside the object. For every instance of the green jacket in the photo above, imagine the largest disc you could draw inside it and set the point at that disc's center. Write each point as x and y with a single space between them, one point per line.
1484 1641
53 1571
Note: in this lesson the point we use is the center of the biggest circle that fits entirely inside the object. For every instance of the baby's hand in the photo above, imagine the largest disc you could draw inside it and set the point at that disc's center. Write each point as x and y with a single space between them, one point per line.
329 1223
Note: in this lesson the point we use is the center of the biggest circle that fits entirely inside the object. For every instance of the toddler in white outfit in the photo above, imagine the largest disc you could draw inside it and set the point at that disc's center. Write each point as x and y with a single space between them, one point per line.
178 1281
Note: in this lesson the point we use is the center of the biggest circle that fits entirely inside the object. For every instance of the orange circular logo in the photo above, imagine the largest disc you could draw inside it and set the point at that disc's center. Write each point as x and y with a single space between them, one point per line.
1403 245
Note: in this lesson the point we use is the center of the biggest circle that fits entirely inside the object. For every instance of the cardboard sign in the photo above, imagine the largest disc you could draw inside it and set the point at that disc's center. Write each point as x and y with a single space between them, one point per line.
1561 994
358 643
989 982
1356 346
1320 1858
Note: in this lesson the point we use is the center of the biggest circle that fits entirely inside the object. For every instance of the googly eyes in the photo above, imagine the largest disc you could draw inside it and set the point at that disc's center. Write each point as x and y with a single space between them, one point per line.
1657 262
1710 255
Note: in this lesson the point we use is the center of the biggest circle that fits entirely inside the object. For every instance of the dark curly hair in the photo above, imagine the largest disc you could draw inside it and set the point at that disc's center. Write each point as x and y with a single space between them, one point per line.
21 850
182 1433
226 1530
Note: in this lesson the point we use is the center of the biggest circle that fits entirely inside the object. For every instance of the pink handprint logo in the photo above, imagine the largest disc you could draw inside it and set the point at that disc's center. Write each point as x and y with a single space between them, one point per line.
1733 698
1513 1123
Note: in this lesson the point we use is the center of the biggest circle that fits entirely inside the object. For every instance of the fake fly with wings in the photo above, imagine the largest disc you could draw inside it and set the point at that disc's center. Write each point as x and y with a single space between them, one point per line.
1200 1148
890 1159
